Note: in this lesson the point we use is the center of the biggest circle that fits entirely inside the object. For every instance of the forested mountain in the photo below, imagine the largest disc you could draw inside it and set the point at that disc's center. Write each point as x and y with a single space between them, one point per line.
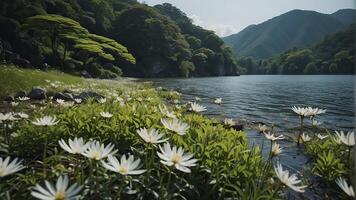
103 38
335 54
296 28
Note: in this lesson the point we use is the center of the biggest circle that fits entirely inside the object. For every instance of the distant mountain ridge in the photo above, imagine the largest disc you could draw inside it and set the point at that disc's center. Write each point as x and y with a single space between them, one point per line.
296 28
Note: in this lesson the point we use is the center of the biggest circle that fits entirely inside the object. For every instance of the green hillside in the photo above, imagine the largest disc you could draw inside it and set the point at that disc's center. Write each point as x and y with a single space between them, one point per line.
107 38
335 54
296 28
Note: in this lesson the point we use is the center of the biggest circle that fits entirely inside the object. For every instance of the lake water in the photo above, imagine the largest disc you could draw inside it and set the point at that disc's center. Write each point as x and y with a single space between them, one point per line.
268 99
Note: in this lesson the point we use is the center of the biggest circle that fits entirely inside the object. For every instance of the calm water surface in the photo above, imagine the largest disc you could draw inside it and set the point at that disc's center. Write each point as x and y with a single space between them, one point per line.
268 99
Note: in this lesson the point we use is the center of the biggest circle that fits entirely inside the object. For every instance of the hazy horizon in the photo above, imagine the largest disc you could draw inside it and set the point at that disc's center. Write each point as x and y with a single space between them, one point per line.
227 17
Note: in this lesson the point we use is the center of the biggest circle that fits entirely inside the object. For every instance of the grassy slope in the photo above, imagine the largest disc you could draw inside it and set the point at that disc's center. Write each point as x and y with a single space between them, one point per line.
13 79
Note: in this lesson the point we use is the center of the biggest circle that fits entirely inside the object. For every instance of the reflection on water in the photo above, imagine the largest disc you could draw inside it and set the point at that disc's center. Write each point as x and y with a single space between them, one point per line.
268 99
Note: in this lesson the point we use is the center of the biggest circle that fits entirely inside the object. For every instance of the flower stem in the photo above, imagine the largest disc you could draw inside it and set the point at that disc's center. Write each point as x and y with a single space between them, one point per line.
301 129
44 156
169 180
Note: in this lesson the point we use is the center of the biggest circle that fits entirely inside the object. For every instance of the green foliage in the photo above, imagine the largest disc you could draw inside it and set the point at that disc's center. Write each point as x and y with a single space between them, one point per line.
333 55
330 158
186 67
220 61
226 166
70 35
311 68
153 39
78 31
328 166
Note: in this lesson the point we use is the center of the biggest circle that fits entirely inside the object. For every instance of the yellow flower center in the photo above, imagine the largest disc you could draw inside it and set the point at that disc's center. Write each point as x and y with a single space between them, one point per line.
176 158
123 170
96 155
60 195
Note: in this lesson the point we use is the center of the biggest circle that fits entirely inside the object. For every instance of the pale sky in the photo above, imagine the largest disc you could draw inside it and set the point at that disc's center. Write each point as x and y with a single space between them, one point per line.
226 17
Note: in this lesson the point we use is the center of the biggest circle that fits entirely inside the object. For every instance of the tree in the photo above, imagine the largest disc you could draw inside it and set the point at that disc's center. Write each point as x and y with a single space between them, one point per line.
311 68
213 42
333 68
155 40
69 35
186 67
54 27
194 42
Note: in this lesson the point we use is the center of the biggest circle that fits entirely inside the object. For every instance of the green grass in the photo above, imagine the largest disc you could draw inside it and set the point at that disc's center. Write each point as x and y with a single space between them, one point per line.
14 79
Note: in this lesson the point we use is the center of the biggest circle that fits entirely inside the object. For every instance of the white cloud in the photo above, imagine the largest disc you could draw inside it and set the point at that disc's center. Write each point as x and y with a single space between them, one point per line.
220 29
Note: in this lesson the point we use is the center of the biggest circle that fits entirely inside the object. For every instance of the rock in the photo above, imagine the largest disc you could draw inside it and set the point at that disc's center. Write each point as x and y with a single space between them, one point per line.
22 62
46 66
50 94
64 96
90 94
85 74
238 127
9 98
37 93
68 91
21 93
9 55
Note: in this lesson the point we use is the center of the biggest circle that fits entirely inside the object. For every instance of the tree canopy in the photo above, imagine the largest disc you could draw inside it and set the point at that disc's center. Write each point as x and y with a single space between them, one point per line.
68 35
145 41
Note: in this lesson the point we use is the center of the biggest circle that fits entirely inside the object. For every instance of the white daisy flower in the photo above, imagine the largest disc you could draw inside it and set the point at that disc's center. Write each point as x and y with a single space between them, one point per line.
60 101
46 121
106 114
75 146
175 157
303 112
151 136
218 101
349 190
272 137
175 125
305 137
22 115
262 128
78 100
97 151
23 98
321 137
276 149
346 138
315 111
197 108
166 112
60 191
102 100
126 166
14 104
229 122
290 181
10 116
7 167
316 122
